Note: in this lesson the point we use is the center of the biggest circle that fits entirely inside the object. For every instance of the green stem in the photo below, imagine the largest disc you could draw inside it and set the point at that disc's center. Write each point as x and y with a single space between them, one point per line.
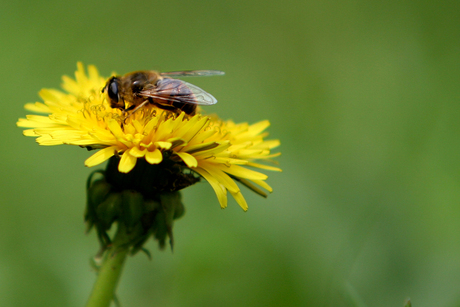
110 271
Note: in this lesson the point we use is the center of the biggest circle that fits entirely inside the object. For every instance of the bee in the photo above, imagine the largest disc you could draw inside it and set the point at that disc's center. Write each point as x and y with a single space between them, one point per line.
140 88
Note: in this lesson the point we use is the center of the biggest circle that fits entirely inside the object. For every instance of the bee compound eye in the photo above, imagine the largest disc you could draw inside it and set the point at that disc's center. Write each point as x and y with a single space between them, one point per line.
112 90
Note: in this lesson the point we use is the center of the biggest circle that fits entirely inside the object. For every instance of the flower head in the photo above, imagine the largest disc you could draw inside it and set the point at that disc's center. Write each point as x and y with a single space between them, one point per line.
222 152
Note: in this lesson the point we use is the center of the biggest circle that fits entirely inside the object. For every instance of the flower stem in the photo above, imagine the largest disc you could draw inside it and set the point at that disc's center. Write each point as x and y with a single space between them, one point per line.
110 270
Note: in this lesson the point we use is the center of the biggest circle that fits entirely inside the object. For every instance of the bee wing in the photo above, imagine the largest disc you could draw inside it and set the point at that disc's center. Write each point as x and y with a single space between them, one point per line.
193 73
201 97
167 94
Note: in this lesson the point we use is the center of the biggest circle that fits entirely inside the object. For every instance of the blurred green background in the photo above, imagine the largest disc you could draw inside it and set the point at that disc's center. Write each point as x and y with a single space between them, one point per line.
364 96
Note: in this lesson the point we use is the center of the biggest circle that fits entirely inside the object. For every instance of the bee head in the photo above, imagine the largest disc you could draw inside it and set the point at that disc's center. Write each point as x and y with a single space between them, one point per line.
113 92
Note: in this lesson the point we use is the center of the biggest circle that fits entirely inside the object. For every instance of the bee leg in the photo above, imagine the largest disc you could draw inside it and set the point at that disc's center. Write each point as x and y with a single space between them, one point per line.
124 117
137 108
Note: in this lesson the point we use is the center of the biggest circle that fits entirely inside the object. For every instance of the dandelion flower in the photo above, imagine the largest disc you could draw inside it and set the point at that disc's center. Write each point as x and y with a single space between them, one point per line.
222 152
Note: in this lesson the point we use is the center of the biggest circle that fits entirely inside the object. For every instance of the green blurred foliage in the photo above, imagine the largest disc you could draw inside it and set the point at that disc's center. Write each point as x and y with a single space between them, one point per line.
364 97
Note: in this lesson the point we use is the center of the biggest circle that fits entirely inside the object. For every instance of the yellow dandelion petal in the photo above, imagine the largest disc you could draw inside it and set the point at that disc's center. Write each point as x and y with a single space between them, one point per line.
240 200
30 132
37 107
173 123
241 172
253 130
188 159
80 75
40 123
151 124
249 184
100 156
93 74
51 97
181 117
118 133
263 184
201 147
268 144
203 136
47 140
138 126
196 126
219 189
164 130
265 156
40 119
115 128
84 142
213 150
127 132
137 152
220 176
154 157
227 161
176 142
259 127
239 146
127 162
163 145
187 125
262 166
103 136
252 152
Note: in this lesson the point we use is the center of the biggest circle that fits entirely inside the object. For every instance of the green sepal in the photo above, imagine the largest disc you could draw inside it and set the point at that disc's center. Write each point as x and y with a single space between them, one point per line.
109 210
160 230
97 192
151 209
132 208
151 205
172 208
138 244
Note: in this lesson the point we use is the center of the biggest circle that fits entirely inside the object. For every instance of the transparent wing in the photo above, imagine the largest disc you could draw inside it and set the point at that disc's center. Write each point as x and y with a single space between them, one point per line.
201 97
193 73
174 94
